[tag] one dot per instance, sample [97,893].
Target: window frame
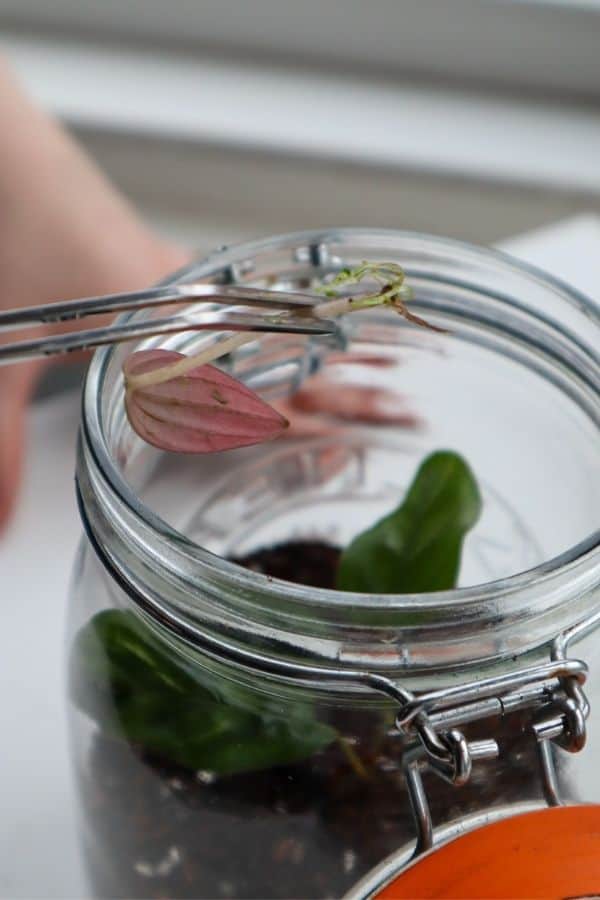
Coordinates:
[553,44]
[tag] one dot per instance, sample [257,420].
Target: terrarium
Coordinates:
[249,721]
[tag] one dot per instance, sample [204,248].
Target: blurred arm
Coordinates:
[64,232]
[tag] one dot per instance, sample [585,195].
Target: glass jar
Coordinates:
[239,735]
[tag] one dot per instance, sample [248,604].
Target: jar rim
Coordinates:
[455,599]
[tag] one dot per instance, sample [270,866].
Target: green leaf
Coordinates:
[123,678]
[417,548]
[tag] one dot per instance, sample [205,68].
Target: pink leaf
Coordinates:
[201,412]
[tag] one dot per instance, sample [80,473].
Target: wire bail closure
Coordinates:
[552,690]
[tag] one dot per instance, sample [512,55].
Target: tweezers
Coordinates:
[289,312]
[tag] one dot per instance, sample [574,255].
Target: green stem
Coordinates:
[353,757]
[392,293]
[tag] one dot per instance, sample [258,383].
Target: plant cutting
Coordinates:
[184,404]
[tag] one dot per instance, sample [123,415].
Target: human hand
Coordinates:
[324,405]
[65,232]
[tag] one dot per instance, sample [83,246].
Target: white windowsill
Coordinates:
[318,115]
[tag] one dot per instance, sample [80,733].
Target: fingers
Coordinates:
[65,232]
[322,406]
[351,403]
[16,386]
[305,425]
[18,382]
[323,409]
[12,431]
[355,358]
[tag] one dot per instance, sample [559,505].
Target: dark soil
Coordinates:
[304,562]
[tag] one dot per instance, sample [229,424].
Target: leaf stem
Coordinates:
[353,758]
[392,292]
[183,366]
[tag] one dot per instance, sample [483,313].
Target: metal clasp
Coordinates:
[553,691]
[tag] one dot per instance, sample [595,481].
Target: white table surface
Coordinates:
[38,844]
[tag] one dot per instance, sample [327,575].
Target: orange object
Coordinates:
[550,853]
